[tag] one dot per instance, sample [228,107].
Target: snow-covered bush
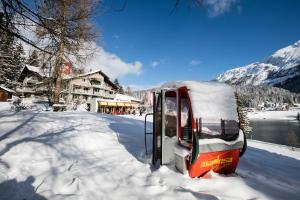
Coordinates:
[18,104]
[242,113]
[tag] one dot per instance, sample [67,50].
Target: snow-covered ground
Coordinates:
[81,155]
[275,115]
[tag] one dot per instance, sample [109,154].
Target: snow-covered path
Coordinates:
[79,155]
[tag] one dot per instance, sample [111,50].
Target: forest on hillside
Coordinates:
[251,96]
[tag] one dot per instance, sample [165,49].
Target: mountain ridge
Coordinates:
[282,66]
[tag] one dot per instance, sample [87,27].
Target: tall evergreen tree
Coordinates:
[129,91]
[120,88]
[11,60]
[6,57]
[33,59]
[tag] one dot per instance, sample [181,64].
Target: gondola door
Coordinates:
[164,127]
[157,128]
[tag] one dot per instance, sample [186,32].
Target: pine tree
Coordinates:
[129,91]
[33,59]
[11,60]
[6,57]
[116,82]
[19,57]
[120,88]
[242,114]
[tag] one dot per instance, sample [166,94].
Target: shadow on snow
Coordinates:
[130,133]
[274,175]
[23,190]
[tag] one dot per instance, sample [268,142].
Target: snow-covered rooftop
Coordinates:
[7,89]
[107,79]
[86,74]
[37,70]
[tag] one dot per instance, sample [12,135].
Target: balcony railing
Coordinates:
[30,90]
[103,87]
[95,94]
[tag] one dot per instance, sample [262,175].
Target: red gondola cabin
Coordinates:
[196,127]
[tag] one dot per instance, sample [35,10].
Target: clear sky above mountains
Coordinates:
[195,42]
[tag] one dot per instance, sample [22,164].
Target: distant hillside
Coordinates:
[281,69]
[292,84]
[251,96]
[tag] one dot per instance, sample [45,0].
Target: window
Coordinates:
[76,89]
[96,90]
[95,82]
[224,129]
[186,127]
[86,90]
[230,129]
[170,114]
[158,120]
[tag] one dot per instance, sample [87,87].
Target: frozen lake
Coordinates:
[275,131]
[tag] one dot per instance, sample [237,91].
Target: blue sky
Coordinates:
[194,43]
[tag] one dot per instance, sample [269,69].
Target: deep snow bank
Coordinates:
[79,155]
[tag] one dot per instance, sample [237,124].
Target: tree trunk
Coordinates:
[58,66]
[59,61]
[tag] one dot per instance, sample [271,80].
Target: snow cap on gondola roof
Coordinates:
[210,101]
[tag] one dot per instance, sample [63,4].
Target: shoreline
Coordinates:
[289,115]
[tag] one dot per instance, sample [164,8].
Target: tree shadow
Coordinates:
[23,190]
[274,175]
[47,138]
[7,113]
[5,164]
[7,134]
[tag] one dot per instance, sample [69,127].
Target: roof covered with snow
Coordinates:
[106,78]
[37,70]
[7,89]
[210,101]
[87,74]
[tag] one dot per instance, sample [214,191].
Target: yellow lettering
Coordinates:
[217,161]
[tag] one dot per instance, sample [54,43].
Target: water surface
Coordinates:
[276,131]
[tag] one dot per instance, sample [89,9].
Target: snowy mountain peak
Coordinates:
[277,68]
[288,56]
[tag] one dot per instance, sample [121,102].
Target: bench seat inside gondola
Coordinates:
[218,144]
